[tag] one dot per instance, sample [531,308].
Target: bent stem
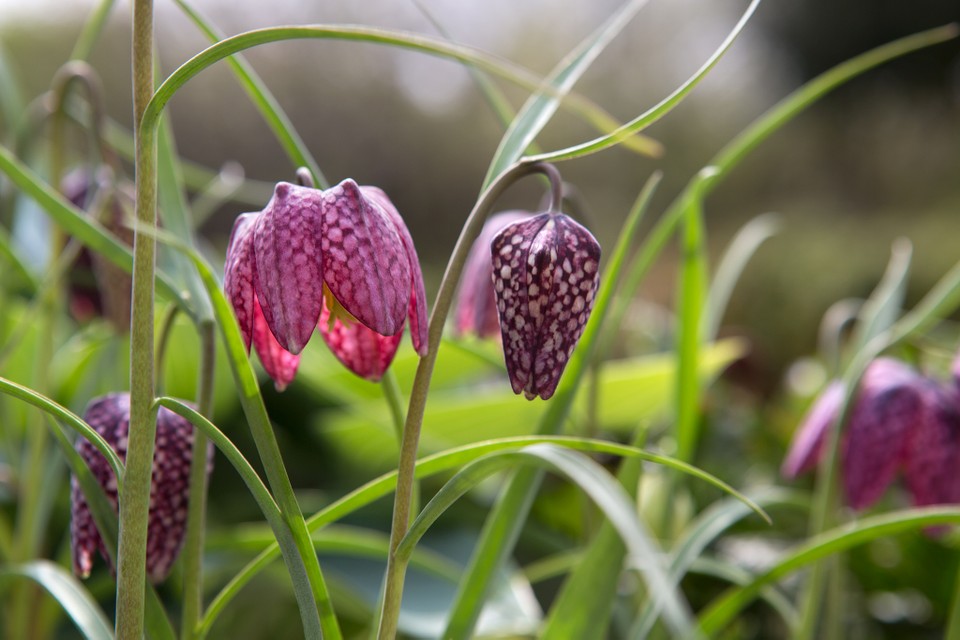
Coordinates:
[397,566]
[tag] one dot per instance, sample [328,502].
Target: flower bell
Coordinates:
[343,253]
[545,277]
[169,490]
[890,417]
[476,310]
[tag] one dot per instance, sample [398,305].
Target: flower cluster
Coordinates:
[169,487]
[340,260]
[536,276]
[900,420]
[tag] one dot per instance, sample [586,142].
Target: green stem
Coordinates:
[135,495]
[953,622]
[197,504]
[397,566]
[394,398]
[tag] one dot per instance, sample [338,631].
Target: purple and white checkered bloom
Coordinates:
[476,307]
[343,249]
[545,277]
[109,415]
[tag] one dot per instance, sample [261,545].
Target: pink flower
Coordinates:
[344,249]
[545,275]
[169,492]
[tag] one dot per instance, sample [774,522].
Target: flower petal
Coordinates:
[418,295]
[280,364]
[169,489]
[362,350]
[365,264]
[889,405]
[545,279]
[476,310]
[807,446]
[239,273]
[933,450]
[288,263]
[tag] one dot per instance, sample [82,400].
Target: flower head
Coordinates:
[476,310]
[891,411]
[343,249]
[169,491]
[545,275]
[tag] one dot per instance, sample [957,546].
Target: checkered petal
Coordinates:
[364,351]
[545,275]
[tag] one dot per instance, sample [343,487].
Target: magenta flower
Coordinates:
[344,249]
[899,420]
[545,275]
[476,307]
[169,492]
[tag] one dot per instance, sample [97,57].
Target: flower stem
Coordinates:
[135,494]
[197,505]
[397,566]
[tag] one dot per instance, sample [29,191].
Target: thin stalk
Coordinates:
[953,622]
[394,398]
[397,566]
[135,495]
[197,509]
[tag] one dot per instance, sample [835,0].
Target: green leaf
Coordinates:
[656,112]
[75,223]
[741,249]
[263,100]
[883,307]
[596,482]
[723,610]
[68,592]
[540,107]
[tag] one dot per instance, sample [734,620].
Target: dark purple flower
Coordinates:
[97,287]
[545,275]
[345,249]
[169,491]
[476,310]
[932,455]
[890,406]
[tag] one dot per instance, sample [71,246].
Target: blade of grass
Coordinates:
[75,223]
[427,467]
[540,107]
[656,112]
[742,248]
[67,590]
[92,29]
[596,482]
[723,610]
[271,111]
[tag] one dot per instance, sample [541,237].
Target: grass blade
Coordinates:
[595,482]
[656,112]
[540,107]
[723,610]
[67,590]
[274,115]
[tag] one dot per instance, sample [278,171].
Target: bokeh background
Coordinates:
[875,160]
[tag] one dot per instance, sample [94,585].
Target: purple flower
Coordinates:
[476,310]
[344,249]
[899,420]
[169,491]
[545,275]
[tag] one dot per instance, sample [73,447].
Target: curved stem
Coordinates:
[305,178]
[135,496]
[396,566]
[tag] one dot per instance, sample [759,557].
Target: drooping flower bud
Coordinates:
[545,275]
[97,287]
[933,449]
[169,490]
[345,249]
[807,446]
[476,305]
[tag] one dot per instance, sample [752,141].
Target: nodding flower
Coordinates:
[109,415]
[545,277]
[341,258]
[900,421]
